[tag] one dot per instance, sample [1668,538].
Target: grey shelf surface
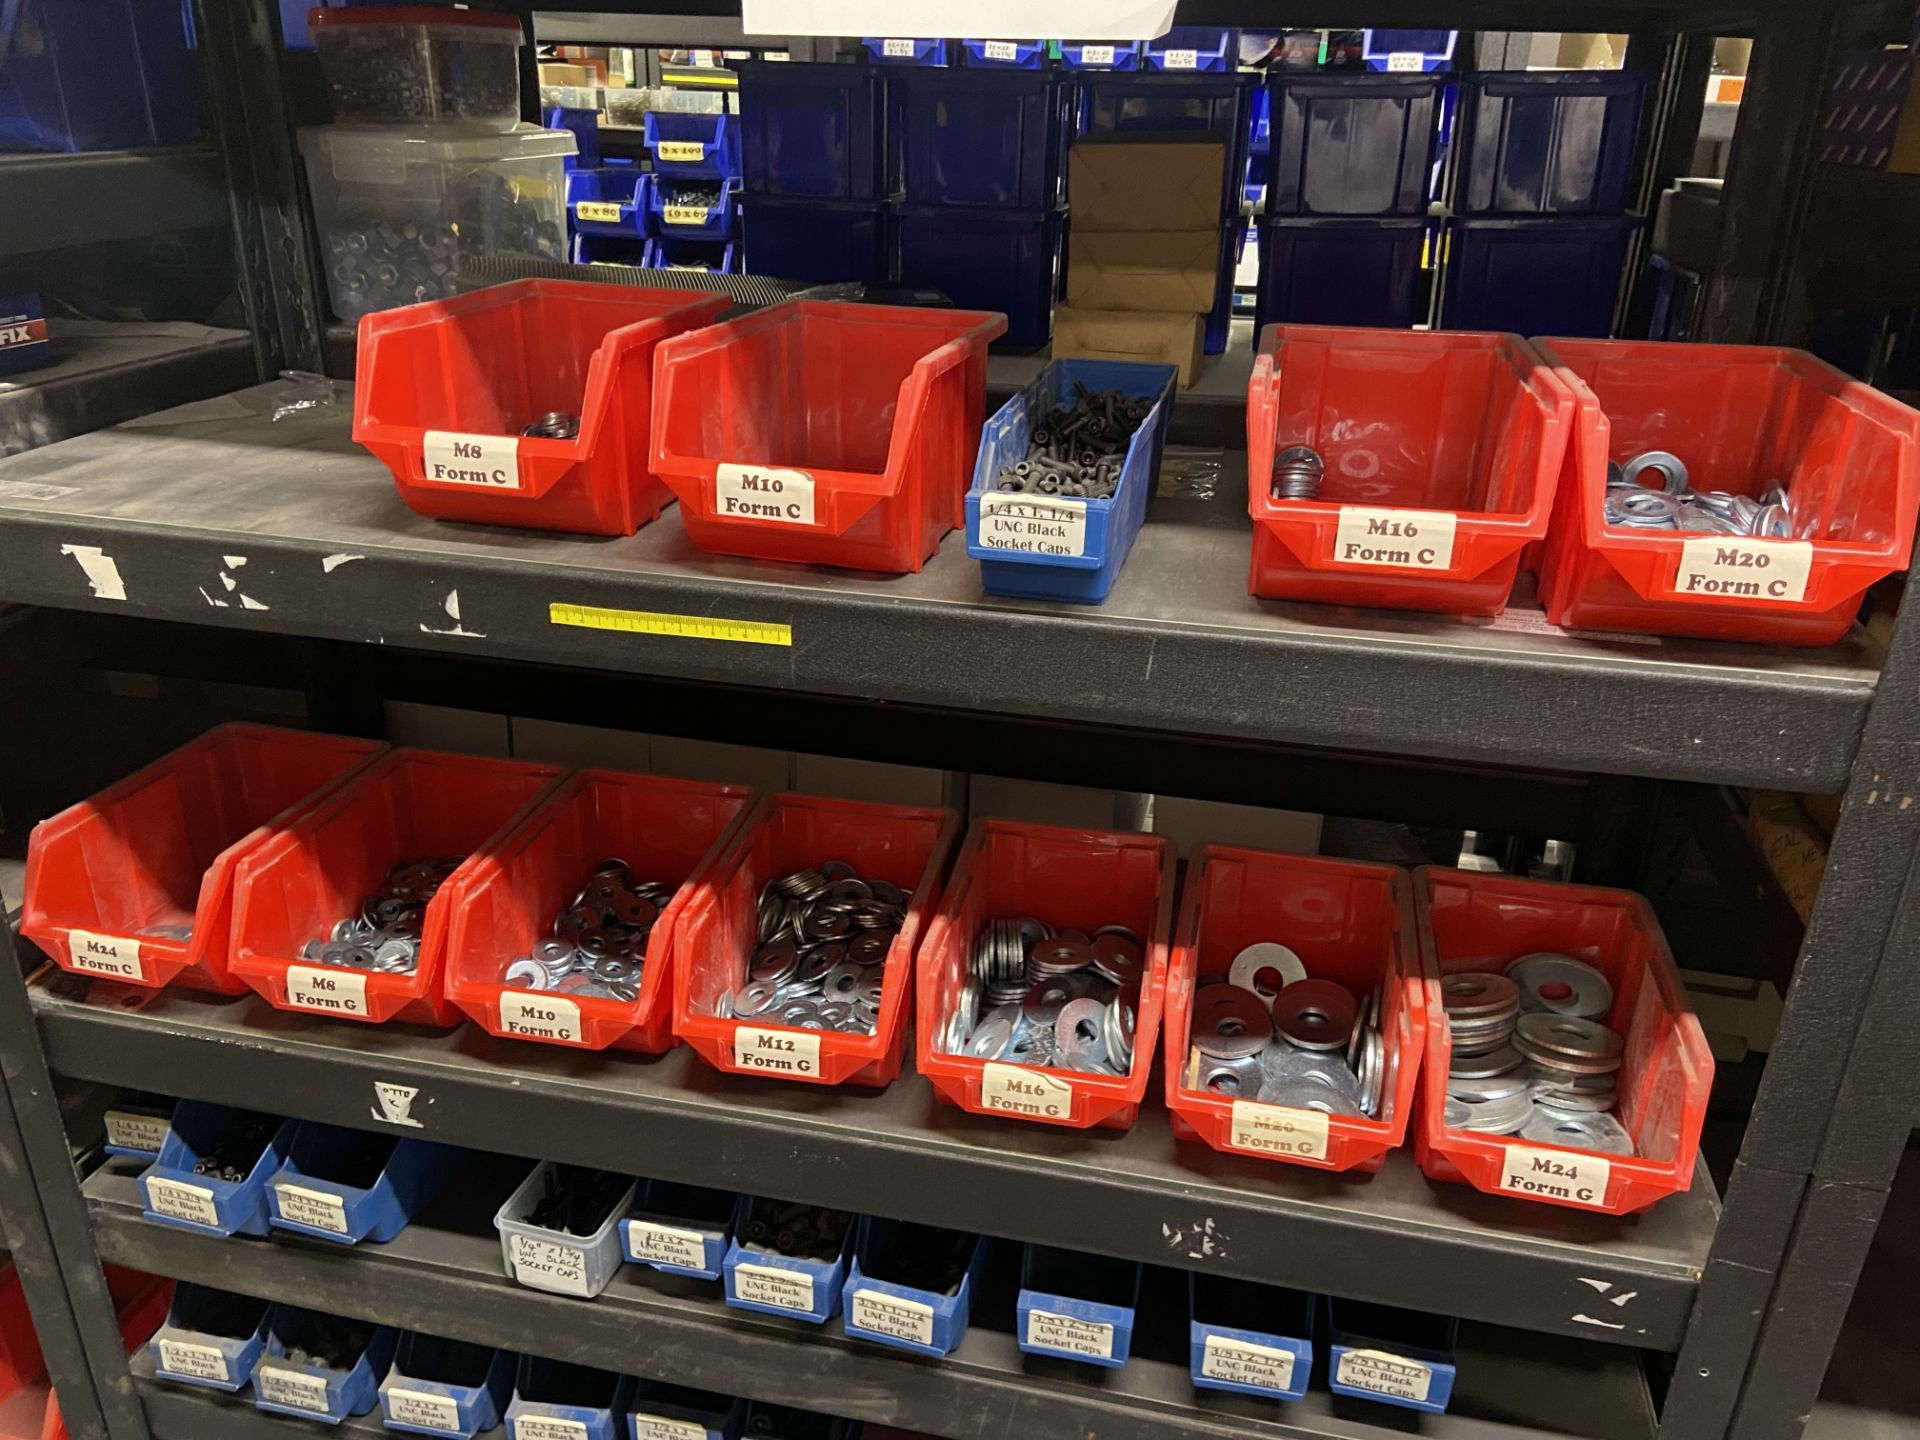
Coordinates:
[215,513]
[60,201]
[449,1281]
[1393,1237]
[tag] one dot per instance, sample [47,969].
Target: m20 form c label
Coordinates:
[1743,569]
[486,462]
[760,492]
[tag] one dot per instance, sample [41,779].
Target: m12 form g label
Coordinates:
[760,492]
[1577,1179]
[1402,539]
[117,959]
[1741,569]
[777,1052]
[487,462]
[1033,525]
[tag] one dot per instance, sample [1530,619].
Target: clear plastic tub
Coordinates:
[400,63]
[400,207]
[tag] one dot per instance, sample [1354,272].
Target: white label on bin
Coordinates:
[1032,525]
[332,989]
[1016,1090]
[1240,1362]
[1180,59]
[105,955]
[897,47]
[666,1245]
[181,1202]
[685,152]
[1578,1179]
[759,492]
[292,1388]
[1000,50]
[550,1427]
[1744,569]
[487,462]
[202,1362]
[416,1407]
[600,212]
[1384,1374]
[770,1285]
[1402,61]
[659,1427]
[893,1316]
[545,1017]
[1278,1130]
[1068,1335]
[684,214]
[315,1209]
[135,1132]
[1405,539]
[777,1052]
[1096,54]
[547,1265]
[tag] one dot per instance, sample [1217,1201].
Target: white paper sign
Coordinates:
[1179,59]
[1068,1335]
[202,1362]
[112,956]
[488,462]
[315,1209]
[545,1265]
[777,1052]
[131,1131]
[1579,1179]
[771,1285]
[1384,1374]
[761,492]
[931,19]
[181,1202]
[899,49]
[1033,524]
[666,1245]
[1744,569]
[1404,61]
[1404,539]
[416,1407]
[892,1315]
[547,1427]
[1016,1090]
[1278,1130]
[1096,54]
[545,1017]
[1000,50]
[659,1427]
[292,1388]
[330,989]
[1240,1362]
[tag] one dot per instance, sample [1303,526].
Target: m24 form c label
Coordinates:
[108,955]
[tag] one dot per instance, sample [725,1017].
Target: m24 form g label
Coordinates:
[486,462]
[1574,1177]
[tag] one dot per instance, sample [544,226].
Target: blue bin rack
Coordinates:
[626,187]
[135,1125]
[995,139]
[812,130]
[209,1338]
[1404,51]
[552,1398]
[812,240]
[1158,102]
[302,1199]
[1187,49]
[317,1392]
[1005,54]
[1249,1339]
[1394,1357]
[1108,527]
[1005,260]
[901,1316]
[1352,144]
[1546,142]
[1340,272]
[776,1284]
[1077,1307]
[679,1229]
[908,52]
[661,1409]
[1676,299]
[1558,276]
[103,75]
[669,252]
[412,1401]
[693,146]
[1109,55]
[671,218]
[206,1204]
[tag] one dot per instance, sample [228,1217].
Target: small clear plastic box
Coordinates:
[397,63]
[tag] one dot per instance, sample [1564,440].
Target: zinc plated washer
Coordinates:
[1315,1014]
[1230,1023]
[1254,961]
[1544,975]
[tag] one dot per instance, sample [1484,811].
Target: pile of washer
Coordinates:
[1267,1031]
[820,959]
[598,946]
[1676,505]
[385,936]
[1055,999]
[1530,1055]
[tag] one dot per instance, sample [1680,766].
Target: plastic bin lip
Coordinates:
[430,15]
[437,143]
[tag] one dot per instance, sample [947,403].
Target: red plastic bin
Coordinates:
[666,830]
[903,845]
[160,847]
[823,433]
[1348,922]
[1442,451]
[28,1407]
[1071,879]
[445,388]
[1471,920]
[1744,419]
[411,805]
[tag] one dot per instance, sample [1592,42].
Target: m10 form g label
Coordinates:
[760,492]
[1402,539]
[546,1017]
[486,462]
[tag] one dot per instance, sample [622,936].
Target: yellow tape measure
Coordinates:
[686,627]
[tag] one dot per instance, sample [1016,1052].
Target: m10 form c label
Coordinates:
[488,462]
[107,955]
[1278,1130]
[1578,1179]
[777,1052]
[332,989]
[1240,1362]
[1036,526]
[1744,569]
[1403,539]
[759,492]
[1020,1091]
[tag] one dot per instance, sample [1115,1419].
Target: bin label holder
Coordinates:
[774,1285]
[1066,1335]
[1034,525]
[658,1244]
[1242,1362]
[131,1130]
[316,1209]
[891,1315]
[109,955]
[1017,1090]
[1744,569]
[293,1388]
[681,152]
[763,492]
[192,1203]
[1380,1372]
[598,212]
[776,1052]
[203,1362]
[1402,539]
[1572,1176]
[487,462]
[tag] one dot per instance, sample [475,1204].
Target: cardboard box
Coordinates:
[555,73]
[1157,337]
[1143,270]
[1155,182]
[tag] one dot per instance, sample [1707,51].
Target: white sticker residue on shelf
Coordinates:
[417,1407]
[1000,50]
[546,1017]
[777,1052]
[315,1209]
[659,1427]
[1180,59]
[1384,1374]
[1404,539]
[1241,1362]
[1402,61]
[772,1285]
[131,1131]
[1744,569]
[891,1315]
[548,1427]
[293,1388]
[181,1202]
[202,1362]
[1033,524]
[761,492]
[489,462]
[899,49]
[334,989]
[1017,1090]
[682,152]
[113,956]
[1278,1130]
[666,1245]
[1096,54]
[1580,1179]
[1069,1335]
[547,1265]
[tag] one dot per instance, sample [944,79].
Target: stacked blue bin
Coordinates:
[1347,182]
[977,156]
[1539,231]
[692,149]
[107,75]
[812,201]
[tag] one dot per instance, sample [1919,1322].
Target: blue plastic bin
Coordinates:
[693,146]
[615,200]
[1406,51]
[209,1338]
[303,1198]
[776,1284]
[1085,550]
[1077,1307]
[135,1125]
[674,219]
[680,1229]
[1395,1357]
[814,240]
[1188,48]
[670,252]
[174,1195]
[993,138]
[901,1316]
[445,1387]
[1005,260]
[1535,277]
[554,1400]
[1002,54]
[1546,142]
[908,52]
[811,129]
[1340,272]
[662,1411]
[1100,54]
[95,75]
[1250,1339]
[608,250]
[317,1392]
[1260,127]
[1160,102]
[585,125]
[1352,144]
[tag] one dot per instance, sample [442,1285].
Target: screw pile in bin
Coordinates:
[329,1343]
[385,935]
[820,961]
[805,1232]
[237,1149]
[371,76]
[575,1200]
[1077,450]
[1297,473]
[379,264]
[599,942]
[1268,1031]
[705,196]
[1060,999]
[1530,1054]
[924,1257]
[554,425]
[1678,506]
